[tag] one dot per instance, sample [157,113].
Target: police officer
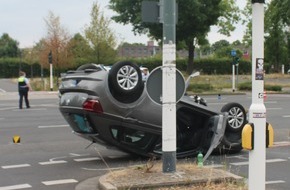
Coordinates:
[23,88]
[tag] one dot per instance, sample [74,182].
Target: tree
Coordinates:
[100,37]
[79,49]
[220,44]
[56,41]
[194,20]
[8,46]
[276,40]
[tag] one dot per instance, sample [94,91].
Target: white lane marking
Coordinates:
[53,162]
[10,108]
[2,90]
[52,126]
[270,102]
[31,109]
[267,161]
[273,108]
[77,155]
[274,182]
[59,182]
[104,169]
[15,166]
[281,143]
[87,159]
[14,187]
[239,157]
[286,116]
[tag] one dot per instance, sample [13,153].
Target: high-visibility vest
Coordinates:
[21,83]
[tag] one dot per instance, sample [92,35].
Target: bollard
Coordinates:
[219,97]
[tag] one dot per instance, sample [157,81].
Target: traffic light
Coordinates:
[236,60]
[50,57]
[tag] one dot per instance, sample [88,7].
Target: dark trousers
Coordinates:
[23,94]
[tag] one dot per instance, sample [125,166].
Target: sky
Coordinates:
[24,21]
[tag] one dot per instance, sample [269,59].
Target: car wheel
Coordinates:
[125,82]
[236,116]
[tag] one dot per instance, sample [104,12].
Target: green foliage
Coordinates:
[199,87]
[275,44]
[8,46]
[9,68]
[277,21]
[275,88]
[79,49]
[247,86]
[100,37]
[205,66]
[220,66]
[194,20]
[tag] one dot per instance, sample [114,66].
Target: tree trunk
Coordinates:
[191,48]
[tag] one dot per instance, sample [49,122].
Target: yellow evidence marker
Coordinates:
[16,139]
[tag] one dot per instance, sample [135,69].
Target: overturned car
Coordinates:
[112,107]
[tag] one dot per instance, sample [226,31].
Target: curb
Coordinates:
[89,184]
[103,182]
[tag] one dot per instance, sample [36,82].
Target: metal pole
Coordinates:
[257,111]
[51,77]
[233,78]
[169,87]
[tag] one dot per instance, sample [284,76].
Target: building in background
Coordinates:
[137,50]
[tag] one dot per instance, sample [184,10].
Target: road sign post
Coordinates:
[233,54]
[167,15]
[257,111]
[169,86]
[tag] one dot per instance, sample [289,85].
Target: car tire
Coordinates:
[125,82]
[237,117]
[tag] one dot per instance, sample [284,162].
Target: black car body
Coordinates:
[113,108]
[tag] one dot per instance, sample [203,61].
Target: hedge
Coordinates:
[9,67]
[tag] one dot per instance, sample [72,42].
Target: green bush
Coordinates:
[275,88]
[247,86]
[9,67]
[199,87]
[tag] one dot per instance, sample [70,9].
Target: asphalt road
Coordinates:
[49,156]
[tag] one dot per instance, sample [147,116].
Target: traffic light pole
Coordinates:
[169,86]
[51,70]
[257,111]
